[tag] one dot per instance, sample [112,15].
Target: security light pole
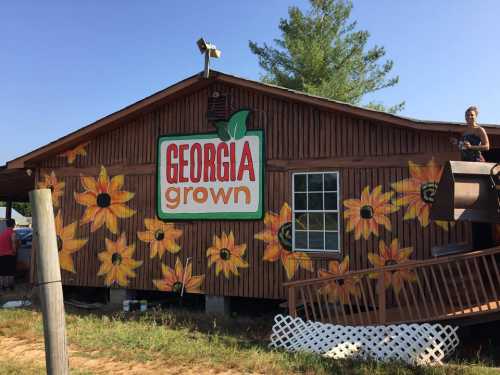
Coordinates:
[210,50]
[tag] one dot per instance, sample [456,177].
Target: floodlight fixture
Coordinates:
[209,50]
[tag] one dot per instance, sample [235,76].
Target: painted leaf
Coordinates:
[237,125]
[222,130]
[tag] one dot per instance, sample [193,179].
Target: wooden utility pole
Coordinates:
[49,280]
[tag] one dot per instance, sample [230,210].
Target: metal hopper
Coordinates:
[468,191]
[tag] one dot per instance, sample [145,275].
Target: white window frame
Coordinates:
[339,219]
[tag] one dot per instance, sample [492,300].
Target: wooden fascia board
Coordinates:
[103,124]
[346,108]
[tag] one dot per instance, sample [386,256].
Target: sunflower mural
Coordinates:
[365,215]
[54,185]
[179,279]
[418,192]
[342,289]
[226,255]
[105,201]
[117,264]
[161,237]
[389,256]
[67,244]
[71,155]
[278,238]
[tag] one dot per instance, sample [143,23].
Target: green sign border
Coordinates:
[257,215]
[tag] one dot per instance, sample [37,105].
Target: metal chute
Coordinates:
[468,191]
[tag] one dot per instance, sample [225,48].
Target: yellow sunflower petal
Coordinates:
[147,236]
[89,183]
[121,197]
[86,199]
[66,262]
[272,252]
[116,183]
[122,211]
[111,222]
[99,220]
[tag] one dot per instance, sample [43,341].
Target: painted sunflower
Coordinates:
[67,244]
[226,255]
[104,201]
[339,289]
[160,236]
[73,153]
[278,238]
[418,192]
[117,262]
[366,214]
[56,187]
[389,256]
[176,280]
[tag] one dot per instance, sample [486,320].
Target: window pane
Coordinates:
[331,221]
[300,182]
[331,181]
[332,240]
[330,201]
[300,201]
[301,240]
[316,221]
[315,182]
[315,201]
[300,221]
[316,241]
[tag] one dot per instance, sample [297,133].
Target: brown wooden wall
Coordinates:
[298,138]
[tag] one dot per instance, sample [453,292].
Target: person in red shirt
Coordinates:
[8,247]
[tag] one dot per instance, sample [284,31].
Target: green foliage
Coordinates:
[235,128]
[322,53]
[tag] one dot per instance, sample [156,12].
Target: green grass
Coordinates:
[183,338]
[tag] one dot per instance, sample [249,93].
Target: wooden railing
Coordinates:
[438,289]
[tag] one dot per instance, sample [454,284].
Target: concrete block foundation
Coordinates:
[217,305]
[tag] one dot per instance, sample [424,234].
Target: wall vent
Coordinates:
[218,106]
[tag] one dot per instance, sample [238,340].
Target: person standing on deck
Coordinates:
[8,247]
[474,138]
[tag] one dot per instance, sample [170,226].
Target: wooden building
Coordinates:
[349,176]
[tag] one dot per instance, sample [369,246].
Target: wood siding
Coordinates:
[298,138]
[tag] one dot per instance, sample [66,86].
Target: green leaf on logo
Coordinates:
[237,125]
[222,130]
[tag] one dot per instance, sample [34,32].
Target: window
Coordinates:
[315,221]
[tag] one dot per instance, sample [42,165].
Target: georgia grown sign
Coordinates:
[213,175]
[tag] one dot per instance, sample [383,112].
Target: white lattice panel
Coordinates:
[412,343]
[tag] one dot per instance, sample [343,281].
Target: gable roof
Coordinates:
[196,82]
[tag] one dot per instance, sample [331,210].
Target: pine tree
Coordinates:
[322,53]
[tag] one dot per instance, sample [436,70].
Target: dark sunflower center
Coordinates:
[177,287]
[116,259]
[103,200]
[51,187]
[390,262]
[159,235]
[59,243]
[285,236]
[428,191]
[366,212]
[225,254]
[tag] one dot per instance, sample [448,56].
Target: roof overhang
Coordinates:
[197,82]
[15,184]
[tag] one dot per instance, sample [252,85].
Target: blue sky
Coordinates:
[66,64]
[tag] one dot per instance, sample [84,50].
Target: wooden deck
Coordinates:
[444,289]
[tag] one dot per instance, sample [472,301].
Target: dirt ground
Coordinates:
[33,352]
